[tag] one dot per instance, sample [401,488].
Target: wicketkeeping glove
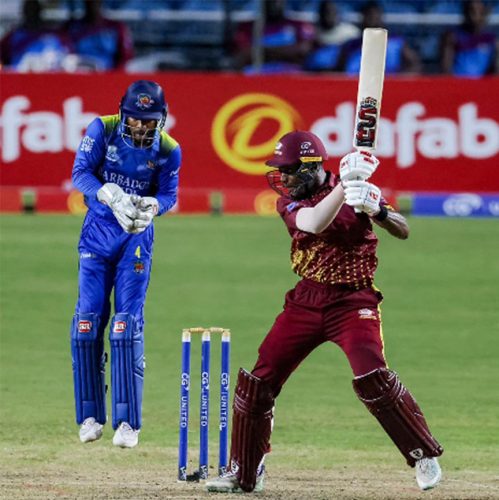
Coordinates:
[147,208]
[363,196]
[119,202]
[357,166]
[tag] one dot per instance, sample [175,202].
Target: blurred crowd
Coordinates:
[253,36]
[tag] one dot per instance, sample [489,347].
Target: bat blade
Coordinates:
[370,90]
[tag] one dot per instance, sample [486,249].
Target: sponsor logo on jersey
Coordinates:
[87,144]
[112,153]
[119,327]
[367,314]
[87,255]
[138,267]
[84,326]
[144,101]
[129,185]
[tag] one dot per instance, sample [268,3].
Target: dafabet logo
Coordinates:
[246,129]
[75,203]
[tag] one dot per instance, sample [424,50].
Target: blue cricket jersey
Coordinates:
[103,156]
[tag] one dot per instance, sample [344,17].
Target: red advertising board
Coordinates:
[436,134]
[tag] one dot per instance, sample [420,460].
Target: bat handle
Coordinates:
[357,210]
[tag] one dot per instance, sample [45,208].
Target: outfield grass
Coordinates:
[440,321]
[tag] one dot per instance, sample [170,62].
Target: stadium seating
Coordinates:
[197,28]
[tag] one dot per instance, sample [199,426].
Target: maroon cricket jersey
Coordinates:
[343,254]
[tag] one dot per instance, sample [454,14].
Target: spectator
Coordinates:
[331,34]
[33,45]
[286,42]
[100,43]
[330,29]
[470,50]
[400,58]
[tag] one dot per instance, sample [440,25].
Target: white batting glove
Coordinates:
[147,208]
[357,166]
[363,197]
[119,202]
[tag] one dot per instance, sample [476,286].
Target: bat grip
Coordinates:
[357,210]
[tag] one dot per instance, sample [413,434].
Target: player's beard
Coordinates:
[304,189]
[141,138]
[297,191]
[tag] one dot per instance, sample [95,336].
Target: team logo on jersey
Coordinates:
[144,101]
[417,453]
[112,153]
[367,314]
[119,327]
[138,267]
[84,326]
[87,144]
[151,165]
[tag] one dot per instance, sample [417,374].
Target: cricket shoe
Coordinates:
[428,473]
[228,483]
[125,436]
[90,430]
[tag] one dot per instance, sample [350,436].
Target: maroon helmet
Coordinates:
[297,147]
[300,154]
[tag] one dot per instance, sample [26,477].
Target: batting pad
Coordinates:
[127,370]
[87,351]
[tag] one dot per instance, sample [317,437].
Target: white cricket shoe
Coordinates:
[428,473]
[90,430]
[125,436]
[228,483]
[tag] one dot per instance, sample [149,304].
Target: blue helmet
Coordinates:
[144,100]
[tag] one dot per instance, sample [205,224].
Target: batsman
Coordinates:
[333,250]
[127,167]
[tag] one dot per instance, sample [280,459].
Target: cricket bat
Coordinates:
[370,90]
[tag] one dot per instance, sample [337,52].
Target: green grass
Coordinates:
[440,318]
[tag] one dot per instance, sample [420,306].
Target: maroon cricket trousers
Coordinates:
[315,313]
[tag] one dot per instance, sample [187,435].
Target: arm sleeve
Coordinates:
[315,219]
[168,181]
[89,157]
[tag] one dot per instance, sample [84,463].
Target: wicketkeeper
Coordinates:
[333,250]
[127,167]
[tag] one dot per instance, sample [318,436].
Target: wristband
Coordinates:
[382,214]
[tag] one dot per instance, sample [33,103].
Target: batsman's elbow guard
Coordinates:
[89,360]
[127,370]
